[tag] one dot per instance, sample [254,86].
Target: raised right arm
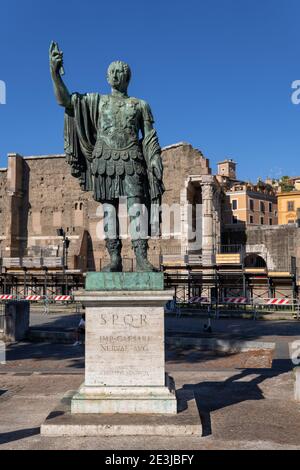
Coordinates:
[61,92]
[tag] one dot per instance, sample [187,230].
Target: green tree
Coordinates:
[286,184]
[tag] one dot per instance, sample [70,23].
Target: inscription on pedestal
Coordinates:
[125,347]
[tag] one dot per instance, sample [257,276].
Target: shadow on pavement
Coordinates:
[12,436]
[212,396]
[38,354]
[65,322]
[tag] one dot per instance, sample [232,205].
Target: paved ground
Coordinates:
[247,409]
[268,330]
[244,400]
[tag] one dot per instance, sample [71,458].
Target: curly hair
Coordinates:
[124,66]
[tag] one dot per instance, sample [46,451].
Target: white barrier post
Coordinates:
[46,306]
[254,306]
[77,307]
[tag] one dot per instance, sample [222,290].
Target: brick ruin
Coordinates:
[38,195]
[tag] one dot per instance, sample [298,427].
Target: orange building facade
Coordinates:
[249,205]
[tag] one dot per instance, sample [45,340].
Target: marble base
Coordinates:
[124,351]
[135,400]
[61,422]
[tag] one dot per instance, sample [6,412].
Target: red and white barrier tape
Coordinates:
[278,301]
[58,298]
[198,300]
[33,297]
[236,300]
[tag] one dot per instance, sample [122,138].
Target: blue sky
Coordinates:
[217,73]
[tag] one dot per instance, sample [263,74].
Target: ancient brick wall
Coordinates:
[3,209]
[56,200]
[276,244]
[46,197]
[180,161]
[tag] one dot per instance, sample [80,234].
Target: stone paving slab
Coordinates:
[60,422]
[246,409]
[28,358]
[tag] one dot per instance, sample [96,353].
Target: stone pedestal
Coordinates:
[16,320]
[125,354]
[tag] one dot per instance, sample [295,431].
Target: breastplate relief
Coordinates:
[119,122]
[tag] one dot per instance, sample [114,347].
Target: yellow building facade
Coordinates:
[288,207]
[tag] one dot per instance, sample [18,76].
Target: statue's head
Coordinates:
[118,75]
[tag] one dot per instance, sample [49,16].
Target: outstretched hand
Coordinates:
[56,58]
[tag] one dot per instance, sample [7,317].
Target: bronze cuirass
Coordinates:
[119,118]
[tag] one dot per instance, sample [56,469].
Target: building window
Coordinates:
[270,221]
[262,221]
[262,206]
[290,206]
[270,206]
[234,219]
[251,219]
[291,221]
[234,204]
[251,202]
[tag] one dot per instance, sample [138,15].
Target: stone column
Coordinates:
[208,242]
[184,218]
[17,211]
[217,211]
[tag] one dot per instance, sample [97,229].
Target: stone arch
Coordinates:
[263,252]
[253,260]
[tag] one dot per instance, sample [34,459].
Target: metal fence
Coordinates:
[230,249]
[238,305]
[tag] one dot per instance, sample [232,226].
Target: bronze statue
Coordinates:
[113,149]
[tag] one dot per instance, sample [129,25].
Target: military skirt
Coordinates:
[118,173]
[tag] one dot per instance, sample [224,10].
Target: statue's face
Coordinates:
[117,76]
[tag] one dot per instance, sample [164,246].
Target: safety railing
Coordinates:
[237,304]
[36,298]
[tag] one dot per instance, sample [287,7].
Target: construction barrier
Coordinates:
[235,300]
[62,298]
[36,298]
[32,297]
[199,300]
[278,302]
